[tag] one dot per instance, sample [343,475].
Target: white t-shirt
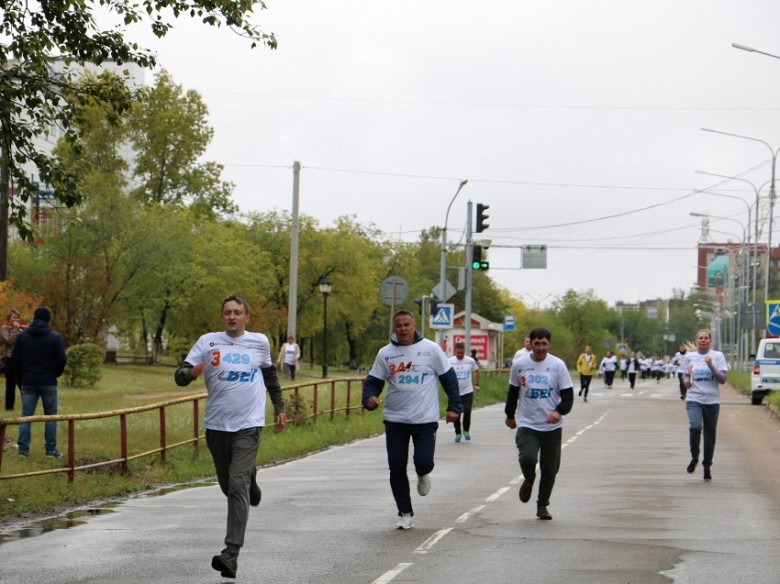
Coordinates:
[289,353]
[236,389]
[520,353]
[540,386]
[463,369]
[704,388]
[679,358]
[412,373]
[609,363]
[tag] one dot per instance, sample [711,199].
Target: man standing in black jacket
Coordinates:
[39,359]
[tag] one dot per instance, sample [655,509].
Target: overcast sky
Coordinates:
[579,123]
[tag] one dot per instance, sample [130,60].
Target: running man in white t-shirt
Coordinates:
[413,367]
[464,367]
[524,350]
[238,370]
[540,390]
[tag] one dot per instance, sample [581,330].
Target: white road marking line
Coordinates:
[585,429]
[432,541]
[390,574]
[465,517]
[436,537]
[497,494]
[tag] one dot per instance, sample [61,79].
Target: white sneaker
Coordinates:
[423,484]
[405,522]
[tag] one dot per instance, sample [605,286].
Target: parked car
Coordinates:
[766,370]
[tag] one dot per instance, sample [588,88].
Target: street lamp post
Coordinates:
[443,267]
[736,295]
[754,261]
[752,50]
[771,198]
[442,295]
[325,288]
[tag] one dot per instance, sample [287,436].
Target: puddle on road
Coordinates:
[80,516]
[42,526]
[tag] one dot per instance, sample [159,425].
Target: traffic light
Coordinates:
[477,263]
[431,304]
[481,217]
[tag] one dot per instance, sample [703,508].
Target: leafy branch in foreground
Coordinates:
[44,49]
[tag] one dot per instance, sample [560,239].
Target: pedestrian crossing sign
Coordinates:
[773,317]
[442,317]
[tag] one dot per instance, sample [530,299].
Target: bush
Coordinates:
[84,368]
[178,347]
[298,410]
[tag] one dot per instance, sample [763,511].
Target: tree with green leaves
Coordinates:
[585,316]
[44,49]
[169,133]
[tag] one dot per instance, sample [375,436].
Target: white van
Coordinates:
[766,370]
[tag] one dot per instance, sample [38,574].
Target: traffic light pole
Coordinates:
[469,278]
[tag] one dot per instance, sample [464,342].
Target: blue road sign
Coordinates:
[442,316]
[773,317]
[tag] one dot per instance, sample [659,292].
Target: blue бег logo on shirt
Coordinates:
[240,376]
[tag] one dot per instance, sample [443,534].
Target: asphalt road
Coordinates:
[625,512]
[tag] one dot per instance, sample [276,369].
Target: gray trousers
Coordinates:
[234,456]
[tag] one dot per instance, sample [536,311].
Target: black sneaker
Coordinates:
[707,475]
[255,494]
[226,563]
[23,452]
[53,453]
[692,466]
[525,491]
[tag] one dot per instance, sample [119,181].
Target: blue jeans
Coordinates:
[702,418]
[30,395]
[397,436]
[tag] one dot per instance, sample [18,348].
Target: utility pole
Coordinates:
[469,256]
[292,298]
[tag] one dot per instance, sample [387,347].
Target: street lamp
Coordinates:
[771,196]
[442,295]
[443,268]
[325,288]
[752,50]
[734,294]
[755,258]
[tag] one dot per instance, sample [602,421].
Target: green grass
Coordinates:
[126,386]
[741,380]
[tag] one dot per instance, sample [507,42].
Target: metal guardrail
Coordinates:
[123,415]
